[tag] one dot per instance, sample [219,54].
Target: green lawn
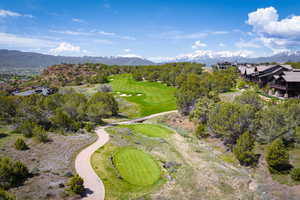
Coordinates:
[150,97]
[150,130]
[136,167]
[117,187]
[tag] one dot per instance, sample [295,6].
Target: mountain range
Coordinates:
[211,59]
[19,59]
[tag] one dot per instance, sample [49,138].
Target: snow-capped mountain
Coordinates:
[210,57]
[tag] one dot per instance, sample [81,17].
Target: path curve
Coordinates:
[94,186]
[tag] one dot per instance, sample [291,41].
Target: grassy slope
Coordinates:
[155,98]
[136,167]
[150,130]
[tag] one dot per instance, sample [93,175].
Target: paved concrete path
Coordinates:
[94,187]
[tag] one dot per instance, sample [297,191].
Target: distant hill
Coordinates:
[213,59]
[19,59]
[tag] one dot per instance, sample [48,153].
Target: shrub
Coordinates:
[105,88]
[40,134]
[76,185]
[89,127]
[20,144]
[12,173]
[241,84]
[230,120]
[26,128]
[277,157]
[250,98]
[6,196]
[243,149]
[107,100]
[200,131]
[295,174]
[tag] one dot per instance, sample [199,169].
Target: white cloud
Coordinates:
[198,44]
[77,20]
[130,56]
[101,41]
[67,32]
[93,33]
[222,44]
[127,37]
[105,33]
[65,47]
[275,33]
[247,44]
[8,13]
[127,50]
[219,32]
[22,41]
[180,35]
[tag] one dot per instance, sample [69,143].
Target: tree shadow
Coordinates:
[3,135]
[87,192]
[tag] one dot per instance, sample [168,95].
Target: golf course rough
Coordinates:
[136,167]
[150,130]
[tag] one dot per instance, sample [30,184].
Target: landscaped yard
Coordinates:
[150,130]
[136,167]
[151,97]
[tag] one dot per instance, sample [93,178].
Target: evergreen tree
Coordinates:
[243,150]
[277,157]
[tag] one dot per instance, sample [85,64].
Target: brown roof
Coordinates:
[293,76]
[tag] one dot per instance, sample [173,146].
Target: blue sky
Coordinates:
[153,29]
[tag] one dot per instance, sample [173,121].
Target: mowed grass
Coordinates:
[151,97]
[136,167]
[150,130]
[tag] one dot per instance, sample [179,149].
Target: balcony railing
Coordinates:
[277,86]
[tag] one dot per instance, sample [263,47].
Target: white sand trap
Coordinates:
[125,95]
[139,95]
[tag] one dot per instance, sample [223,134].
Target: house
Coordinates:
[225,65]
[262,74]
[38,90]
[286,84]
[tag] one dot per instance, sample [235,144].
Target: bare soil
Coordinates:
[51,163]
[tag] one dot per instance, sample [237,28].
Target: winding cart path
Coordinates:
[94,186]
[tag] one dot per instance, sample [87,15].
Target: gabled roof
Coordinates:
[293,76]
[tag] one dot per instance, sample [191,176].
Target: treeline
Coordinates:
[68,74]
[247,121]
[192,86]
[295,65]
[35,115]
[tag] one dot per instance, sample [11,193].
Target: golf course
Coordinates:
[150,97]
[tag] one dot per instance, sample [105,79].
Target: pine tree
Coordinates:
[243,150]
[277,157]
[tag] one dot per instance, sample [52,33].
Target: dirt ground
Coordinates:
[51,163]
[215,174]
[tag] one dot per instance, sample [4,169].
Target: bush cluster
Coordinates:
[20,144]
[12,173]
[4,195]
[75,185]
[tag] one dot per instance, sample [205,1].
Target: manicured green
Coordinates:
[151,97]
[136,167]
[150,130]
